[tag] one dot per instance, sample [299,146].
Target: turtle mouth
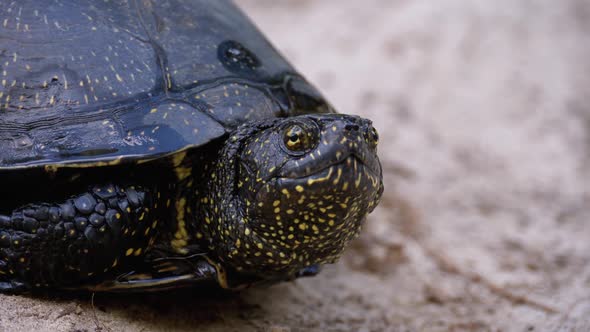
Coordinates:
[358,163]
[350,173]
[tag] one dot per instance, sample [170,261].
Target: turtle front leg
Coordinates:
[70,243]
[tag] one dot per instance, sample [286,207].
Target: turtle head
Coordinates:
[296,192]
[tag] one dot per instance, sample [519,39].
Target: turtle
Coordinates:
[148,145]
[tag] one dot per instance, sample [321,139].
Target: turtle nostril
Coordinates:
[351,127]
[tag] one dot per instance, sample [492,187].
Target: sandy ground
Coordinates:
[483,112]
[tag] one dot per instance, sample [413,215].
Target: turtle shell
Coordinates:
[88,82]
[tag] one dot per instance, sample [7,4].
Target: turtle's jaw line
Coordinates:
[351,160]
[376,173]
[350,176]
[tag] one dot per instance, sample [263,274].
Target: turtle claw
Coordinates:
[13,287]
[309,271]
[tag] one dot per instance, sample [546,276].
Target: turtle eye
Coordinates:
[298,138]
[372,136]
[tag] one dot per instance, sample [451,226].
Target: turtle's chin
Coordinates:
[298,222]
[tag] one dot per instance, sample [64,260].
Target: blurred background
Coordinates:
[483,111]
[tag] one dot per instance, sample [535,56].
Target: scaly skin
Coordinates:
[56,244]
